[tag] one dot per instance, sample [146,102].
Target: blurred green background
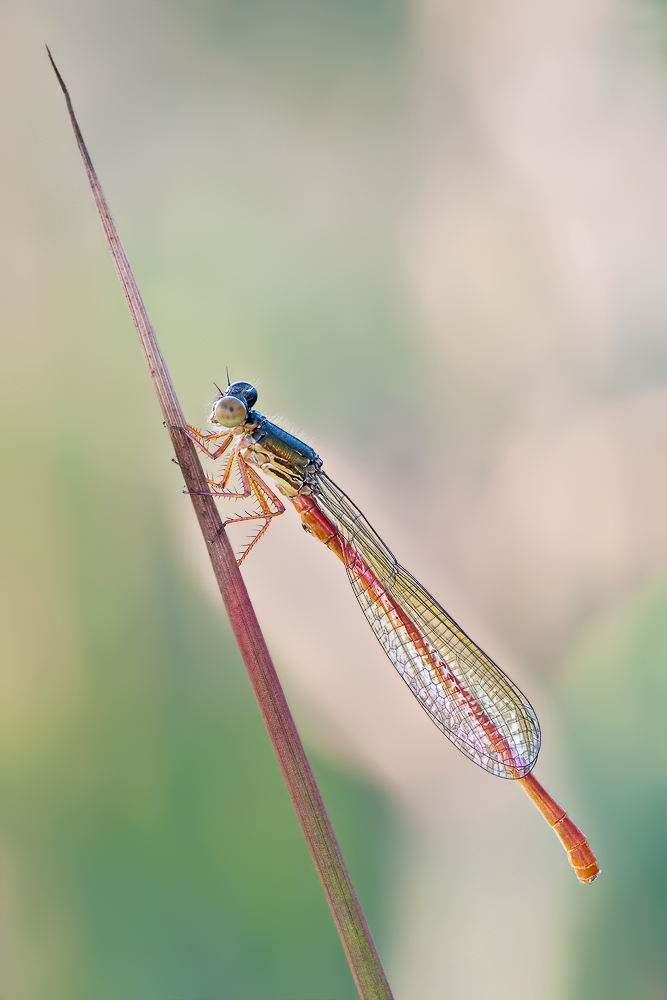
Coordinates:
[435,235]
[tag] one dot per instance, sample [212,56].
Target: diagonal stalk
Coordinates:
[333,874]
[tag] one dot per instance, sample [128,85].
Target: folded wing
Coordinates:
[465,693]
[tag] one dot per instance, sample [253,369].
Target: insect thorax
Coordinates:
[293,464]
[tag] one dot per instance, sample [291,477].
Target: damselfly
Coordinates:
[464,692]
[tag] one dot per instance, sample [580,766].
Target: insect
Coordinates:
[464,692]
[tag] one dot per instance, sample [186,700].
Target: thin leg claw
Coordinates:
[269,504]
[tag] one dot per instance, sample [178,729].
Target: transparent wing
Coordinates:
[466,694]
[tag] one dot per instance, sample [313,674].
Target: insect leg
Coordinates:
[201,439]
[262,493]
[265,497]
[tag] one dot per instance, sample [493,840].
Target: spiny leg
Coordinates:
[253,486]
[200,439]
[243,471]
[264,497]
[218,487]
[225,477]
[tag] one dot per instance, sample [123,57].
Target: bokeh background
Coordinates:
[435,234]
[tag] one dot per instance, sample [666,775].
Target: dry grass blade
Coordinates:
[348,916]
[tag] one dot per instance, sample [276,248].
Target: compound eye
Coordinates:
[244,390]
[230,411]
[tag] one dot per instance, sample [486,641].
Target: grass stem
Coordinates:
[340,893]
